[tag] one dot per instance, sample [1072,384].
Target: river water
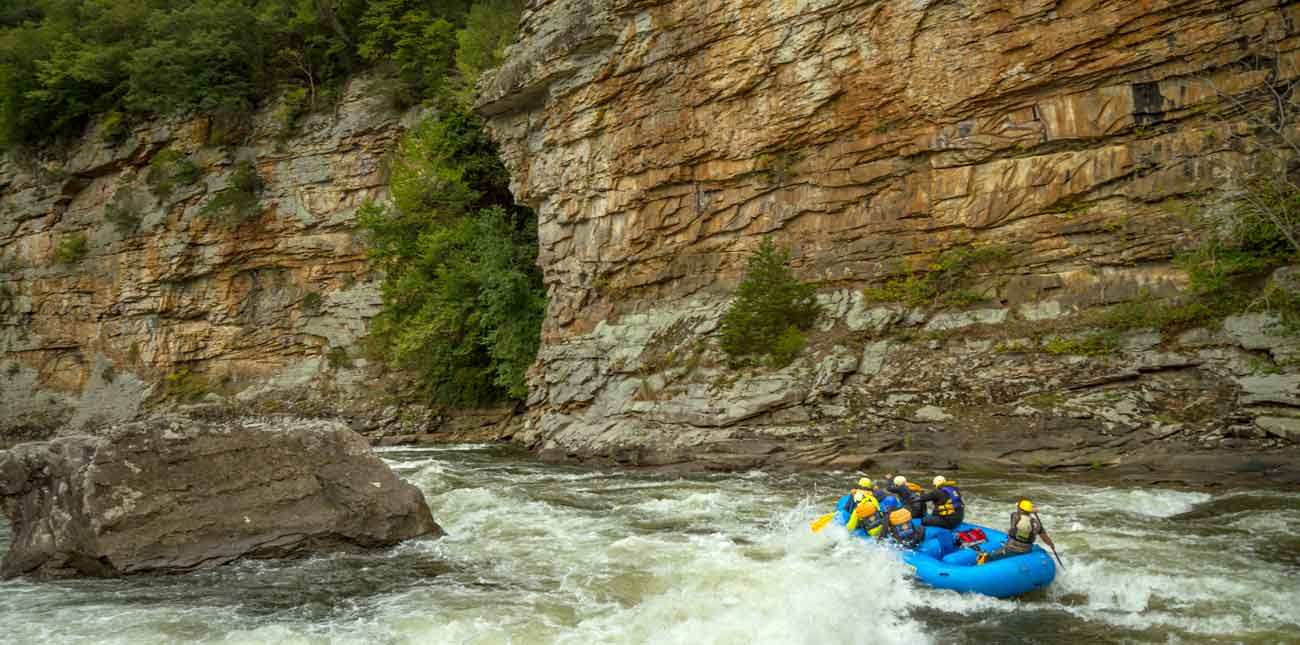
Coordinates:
[539,553]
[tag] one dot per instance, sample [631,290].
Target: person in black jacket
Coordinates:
[949,508]
[910,499]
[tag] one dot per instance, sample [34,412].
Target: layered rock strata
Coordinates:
[116,272]
[173,495]
[660,140]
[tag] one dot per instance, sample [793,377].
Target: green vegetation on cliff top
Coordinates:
[65,61]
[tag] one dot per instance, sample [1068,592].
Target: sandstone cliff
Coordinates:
[659,140]
[257,307]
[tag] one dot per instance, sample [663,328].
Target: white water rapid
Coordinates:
[539,553]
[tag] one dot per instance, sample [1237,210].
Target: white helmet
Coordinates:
[900,481]
[939,480]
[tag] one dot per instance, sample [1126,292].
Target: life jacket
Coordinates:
[953,504]
[1024,528]
[868,517]
[971,537]
[900,526]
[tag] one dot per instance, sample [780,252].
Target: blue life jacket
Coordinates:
[904,533]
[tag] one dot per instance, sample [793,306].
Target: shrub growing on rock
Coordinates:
[942,280]
[124,212]
[185,386]
[771,310]
[72,248]
[168,170]
[312,301]
[238,203]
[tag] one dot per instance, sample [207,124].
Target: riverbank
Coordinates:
[985,446]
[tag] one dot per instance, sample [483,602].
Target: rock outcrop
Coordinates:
[661,140]
[174,495]
[113,277]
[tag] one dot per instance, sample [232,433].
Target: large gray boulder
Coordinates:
[176,494]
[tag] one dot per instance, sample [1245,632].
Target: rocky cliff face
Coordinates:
[156,288]
[660,140]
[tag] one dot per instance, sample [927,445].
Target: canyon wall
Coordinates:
[1073,141]
[113,286]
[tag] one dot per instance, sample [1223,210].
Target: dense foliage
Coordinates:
[770,312]
[463,296]
[63,61]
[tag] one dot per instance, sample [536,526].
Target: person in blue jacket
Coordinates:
[949,507]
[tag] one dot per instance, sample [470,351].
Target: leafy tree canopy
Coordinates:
[463,296]
[63,61]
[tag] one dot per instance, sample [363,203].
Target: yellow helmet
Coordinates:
[900,481]
[939,481]
[1026,506]
[864,482]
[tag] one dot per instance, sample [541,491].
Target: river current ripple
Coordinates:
[539,553]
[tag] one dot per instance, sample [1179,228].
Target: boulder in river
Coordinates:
[175,494]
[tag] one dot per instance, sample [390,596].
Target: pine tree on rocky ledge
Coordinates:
[771,310]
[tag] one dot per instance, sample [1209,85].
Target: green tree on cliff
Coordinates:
[463,296]
[771,310]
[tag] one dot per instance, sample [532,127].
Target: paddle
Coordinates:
[1048,540]
[821,522]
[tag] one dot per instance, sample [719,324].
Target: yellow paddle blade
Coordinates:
[821,522]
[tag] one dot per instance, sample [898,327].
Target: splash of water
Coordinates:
[548,554]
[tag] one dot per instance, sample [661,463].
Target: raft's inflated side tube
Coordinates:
[955,568]
[940,564]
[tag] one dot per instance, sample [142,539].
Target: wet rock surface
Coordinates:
[175,494]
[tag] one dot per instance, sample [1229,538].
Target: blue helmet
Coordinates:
[890,504]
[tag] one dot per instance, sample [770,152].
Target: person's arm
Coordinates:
[1046,538]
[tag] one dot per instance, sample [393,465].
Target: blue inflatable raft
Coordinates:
[941,564]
